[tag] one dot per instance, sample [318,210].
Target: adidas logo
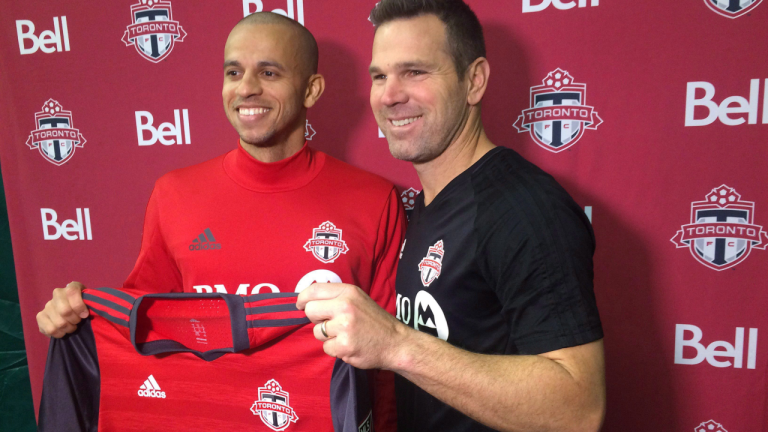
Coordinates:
[151,388]
[205,240]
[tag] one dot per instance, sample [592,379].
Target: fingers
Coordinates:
[56,327]
[318,331]
[74,291]
[63,312]
[320,291]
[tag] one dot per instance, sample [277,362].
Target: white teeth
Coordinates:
[252,111]
[405,121]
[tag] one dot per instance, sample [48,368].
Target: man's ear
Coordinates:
[477,80]
[315,88]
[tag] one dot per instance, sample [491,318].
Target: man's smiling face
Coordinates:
[264,83]
[416,96]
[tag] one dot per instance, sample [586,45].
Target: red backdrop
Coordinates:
[642,110]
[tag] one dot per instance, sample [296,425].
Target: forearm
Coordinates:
[520,393]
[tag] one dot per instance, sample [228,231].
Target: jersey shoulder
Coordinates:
[506,186]
[194,177]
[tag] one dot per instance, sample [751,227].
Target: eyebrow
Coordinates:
[261,64]
[400,66]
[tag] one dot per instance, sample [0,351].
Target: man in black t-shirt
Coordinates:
[497,325]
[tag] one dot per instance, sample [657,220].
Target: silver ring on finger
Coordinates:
[323,330]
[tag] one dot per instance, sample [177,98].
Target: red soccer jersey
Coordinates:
[237,225]
[86,391]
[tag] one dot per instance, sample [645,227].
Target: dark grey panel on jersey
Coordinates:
[516,273]
[72,384]
[351,407]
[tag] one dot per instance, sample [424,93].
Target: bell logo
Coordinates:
[79,229]
[558,4]
[729,106]
[166,130]
[715,350]
[287,12]
[48,41]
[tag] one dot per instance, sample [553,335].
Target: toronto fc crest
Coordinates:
[326,243]
[732,8]
[55,136]
[432,264]
[722,230]
[558,113]
[153,32]
[273,407]
[710,426]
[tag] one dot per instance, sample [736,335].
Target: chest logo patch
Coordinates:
[326,243]
[273,407]
[432,264]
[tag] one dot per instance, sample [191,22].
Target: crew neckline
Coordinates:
[288,174]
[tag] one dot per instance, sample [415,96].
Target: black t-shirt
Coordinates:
[500,262]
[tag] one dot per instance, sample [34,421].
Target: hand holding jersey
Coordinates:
[357,330]
[63,312]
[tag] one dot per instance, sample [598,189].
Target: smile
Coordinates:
[252,111]
[404,122]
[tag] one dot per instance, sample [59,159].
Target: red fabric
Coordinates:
[262,215]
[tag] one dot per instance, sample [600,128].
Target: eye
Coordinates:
[231,73]
[269,74]
[379,77]
[415,72]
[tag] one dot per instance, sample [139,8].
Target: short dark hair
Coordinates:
[463,29]
[307,41]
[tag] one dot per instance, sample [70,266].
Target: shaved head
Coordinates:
[306,43]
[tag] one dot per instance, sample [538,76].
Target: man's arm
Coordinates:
[562,390]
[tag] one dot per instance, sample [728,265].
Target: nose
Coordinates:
[249,85]
[394,92]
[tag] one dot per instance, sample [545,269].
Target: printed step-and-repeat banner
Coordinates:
[653,115]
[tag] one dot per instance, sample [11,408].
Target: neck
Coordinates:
[280,147]
[466,149]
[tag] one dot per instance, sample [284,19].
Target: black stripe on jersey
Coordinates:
[119,294]
[109,317]
[277,322]
[258,297]
[108,303]
[290,307]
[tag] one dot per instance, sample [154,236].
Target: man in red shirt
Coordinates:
[272,216]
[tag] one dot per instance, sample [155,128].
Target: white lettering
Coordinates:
[559,4]
[723,111]
[70,229]
[48,41]
[166,133]
[716,350]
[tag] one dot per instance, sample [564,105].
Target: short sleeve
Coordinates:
[535,248]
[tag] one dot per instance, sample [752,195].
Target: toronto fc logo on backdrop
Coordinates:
[722,230]
[432,264]
[710,426]
[326,243]
[273,407]
[558,113]
[55,136]
[732,8]
[153,31]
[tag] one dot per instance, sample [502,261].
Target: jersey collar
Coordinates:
[288,174]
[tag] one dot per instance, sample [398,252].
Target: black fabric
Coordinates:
[71,385]
[350,399]
[515,274]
